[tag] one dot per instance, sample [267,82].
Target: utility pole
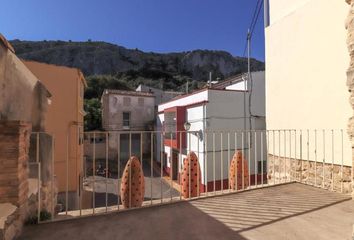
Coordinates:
[210,78]
[245,81]
[187,86]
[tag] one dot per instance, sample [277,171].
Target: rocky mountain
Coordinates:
[101,58]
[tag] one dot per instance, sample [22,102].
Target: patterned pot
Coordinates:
[133,184]
[235,172]
[191,165]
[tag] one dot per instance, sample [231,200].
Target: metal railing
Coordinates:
[41,172]
[227,162]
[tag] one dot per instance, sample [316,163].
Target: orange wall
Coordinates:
[63,119]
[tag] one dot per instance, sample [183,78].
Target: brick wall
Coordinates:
[14,143]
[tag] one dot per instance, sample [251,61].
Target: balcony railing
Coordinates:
[141,168]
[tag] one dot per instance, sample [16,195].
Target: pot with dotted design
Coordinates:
[132,185]
[235,172]
[191,174]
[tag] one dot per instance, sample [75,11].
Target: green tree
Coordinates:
[93,118]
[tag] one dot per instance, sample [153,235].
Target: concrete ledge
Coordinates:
[8,221]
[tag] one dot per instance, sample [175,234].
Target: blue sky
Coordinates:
[149,25]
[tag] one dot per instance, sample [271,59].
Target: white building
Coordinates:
[214,113]
[306,63]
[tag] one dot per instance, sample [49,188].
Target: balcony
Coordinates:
[279,184]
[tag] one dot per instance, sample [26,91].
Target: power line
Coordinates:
[253,23]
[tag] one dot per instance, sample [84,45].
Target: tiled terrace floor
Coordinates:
[291,211]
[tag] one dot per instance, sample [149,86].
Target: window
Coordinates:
[141,102]
[126,119]
[170,125]
[126,101]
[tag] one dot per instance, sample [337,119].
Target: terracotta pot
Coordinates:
[132,185]
[235,172]
[191,165]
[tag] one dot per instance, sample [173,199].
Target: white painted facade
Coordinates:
[306,62]
[217,114]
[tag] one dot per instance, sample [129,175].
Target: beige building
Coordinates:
[65,121]
[17,80]
[306,63]
[128,111]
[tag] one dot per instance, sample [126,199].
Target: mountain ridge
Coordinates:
[102,58]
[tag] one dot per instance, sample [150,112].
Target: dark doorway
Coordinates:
[174,165]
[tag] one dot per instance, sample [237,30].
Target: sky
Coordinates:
[149,25]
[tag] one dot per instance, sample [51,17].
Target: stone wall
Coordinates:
[332,177]
[350,74]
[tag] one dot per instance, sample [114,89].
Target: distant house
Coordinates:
[65,121]
[124,112]
[213,112]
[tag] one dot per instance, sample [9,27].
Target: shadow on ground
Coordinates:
[290,211]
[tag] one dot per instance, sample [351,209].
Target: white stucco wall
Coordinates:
[306,64]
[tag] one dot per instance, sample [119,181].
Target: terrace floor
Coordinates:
[290,211]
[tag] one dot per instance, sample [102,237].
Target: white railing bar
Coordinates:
[228,161]
[315,157]
[94,173]
[130,170]
[206,164]
[214,162]
[52,177]
[180,163]
[161,165]
[332,160]
[141,150]
[290,161]
[249,159]
[198,168]
[342,162]
[221,163]
[262,159]
[285,158]
[118,175]
[255,159]
[151,164]
[242,160]
[236,170]
[107,166]
[279,161]
[189,169]
[324,159]
[171,166]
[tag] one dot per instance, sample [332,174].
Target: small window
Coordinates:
[141,102]
[126,119]
[126,101]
